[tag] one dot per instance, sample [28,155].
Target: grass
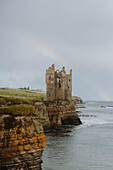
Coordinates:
[18,110]
[8,101]
[21,93]
[19,101]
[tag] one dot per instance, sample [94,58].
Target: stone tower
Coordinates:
[58,84]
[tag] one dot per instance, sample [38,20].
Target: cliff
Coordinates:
[23,121]
[21,142]
[50,114]
[21,133]
[62,113]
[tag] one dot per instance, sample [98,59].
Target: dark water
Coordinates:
[85,147]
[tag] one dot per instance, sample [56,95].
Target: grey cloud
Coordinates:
[77,34]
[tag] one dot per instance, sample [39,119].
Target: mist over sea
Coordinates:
[85,147]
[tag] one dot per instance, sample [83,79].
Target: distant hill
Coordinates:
[77,99]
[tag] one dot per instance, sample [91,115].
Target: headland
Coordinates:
[26,114]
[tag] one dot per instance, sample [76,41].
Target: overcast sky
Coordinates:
[77,34]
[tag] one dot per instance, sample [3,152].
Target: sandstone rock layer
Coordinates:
[21,142]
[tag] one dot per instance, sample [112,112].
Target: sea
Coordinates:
[88,146]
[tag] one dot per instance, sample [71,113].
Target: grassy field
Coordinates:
[22,93]
[19,101]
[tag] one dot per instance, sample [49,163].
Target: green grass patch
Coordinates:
[22,93]
[20,96]
[18,110]
[8,101]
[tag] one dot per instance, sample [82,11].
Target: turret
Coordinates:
[70,71]
[63,69]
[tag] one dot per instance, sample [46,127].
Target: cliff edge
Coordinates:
[24,117]
[62,113]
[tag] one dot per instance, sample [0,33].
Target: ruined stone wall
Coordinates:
[50,83]
[61,109]
[58,84]
[69,87]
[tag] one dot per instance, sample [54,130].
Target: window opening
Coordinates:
[59,84]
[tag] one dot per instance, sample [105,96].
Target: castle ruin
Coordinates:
[58,84]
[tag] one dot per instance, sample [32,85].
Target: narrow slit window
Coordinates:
[59,83]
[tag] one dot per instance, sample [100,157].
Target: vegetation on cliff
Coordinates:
[18,102]
[18,110]
[22,93]
[24,103]
[8,101]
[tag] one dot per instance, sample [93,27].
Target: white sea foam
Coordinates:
[94,122]
[109,107]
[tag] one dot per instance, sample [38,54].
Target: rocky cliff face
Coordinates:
[62,113]
[42,115]
[21,133]
[21,142]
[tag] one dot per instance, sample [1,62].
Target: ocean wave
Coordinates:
[90,102]
[107,107]
[84,115]
[91,122]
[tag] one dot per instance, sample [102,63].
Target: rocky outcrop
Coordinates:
[21,133]
[25,106]
[77,99]
[51,114]
[21,142]
[42,115]
[62,113]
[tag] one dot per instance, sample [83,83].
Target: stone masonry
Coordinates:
[58,84]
